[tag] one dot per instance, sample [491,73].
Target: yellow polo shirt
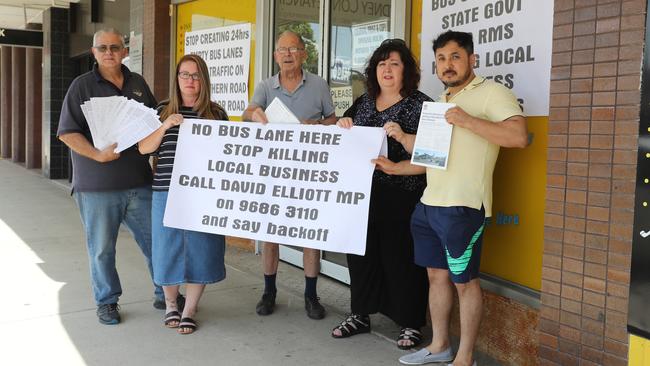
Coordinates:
[468,178]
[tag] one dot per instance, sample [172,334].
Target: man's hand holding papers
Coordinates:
[258,115]
[457,116]
[118,120]
[278,112]
[107,154]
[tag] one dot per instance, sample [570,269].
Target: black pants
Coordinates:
[385,279]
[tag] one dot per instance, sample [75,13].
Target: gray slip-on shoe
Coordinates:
[423,356]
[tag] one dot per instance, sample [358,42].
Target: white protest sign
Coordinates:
[512,39]
[300,185]
[226,51]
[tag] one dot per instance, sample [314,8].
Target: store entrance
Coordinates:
[338,40]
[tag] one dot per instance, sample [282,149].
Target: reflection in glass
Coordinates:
[302,18]
[357,29]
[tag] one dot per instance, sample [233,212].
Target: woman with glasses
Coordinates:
[385,279]
[182,256]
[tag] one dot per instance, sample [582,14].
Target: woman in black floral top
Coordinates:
[386,279]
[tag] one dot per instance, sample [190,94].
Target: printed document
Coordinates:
[278,112]
[433,139]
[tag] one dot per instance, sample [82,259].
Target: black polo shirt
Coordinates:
[132,169]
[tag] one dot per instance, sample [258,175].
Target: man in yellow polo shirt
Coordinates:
[447,224]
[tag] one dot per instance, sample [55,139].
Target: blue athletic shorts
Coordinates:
[449,238]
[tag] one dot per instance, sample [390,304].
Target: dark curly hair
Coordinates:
[411,76]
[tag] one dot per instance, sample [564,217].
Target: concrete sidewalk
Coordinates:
[48,315]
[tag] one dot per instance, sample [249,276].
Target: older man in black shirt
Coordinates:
[110,188]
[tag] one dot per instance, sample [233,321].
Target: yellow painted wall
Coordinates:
[639,351]
[205,14]
[512,252]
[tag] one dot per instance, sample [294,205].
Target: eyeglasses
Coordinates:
[395,41]
[186,75]
[114,48]
[290,49]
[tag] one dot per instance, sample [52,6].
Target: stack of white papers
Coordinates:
[118,119]
[278,112]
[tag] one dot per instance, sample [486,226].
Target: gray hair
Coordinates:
[288,32]
[108,30]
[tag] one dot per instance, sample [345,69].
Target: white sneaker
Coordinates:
[423,356]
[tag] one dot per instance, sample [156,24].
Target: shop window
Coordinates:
[355,33]
[303,20]
[342,37]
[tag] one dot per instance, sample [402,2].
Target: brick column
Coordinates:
[18,105]
[593,133]
[155,47]
[33,101]
[5,102]
[57,75]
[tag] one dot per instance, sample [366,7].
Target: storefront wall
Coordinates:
[593,136]
[557,254]
[559,258]
[514,239]
[514,246]
[511,262]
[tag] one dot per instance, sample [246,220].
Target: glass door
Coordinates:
[303,18]
[354,36]
[345,33]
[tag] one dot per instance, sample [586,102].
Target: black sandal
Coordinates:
[409,334]
[171,318]
[187,323]
[352,325]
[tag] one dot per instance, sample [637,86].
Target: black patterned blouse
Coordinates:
[406,113]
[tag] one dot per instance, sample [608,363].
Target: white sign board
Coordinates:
[512,39]
[366,38]
[292,184]
[135,53]
[226,51]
